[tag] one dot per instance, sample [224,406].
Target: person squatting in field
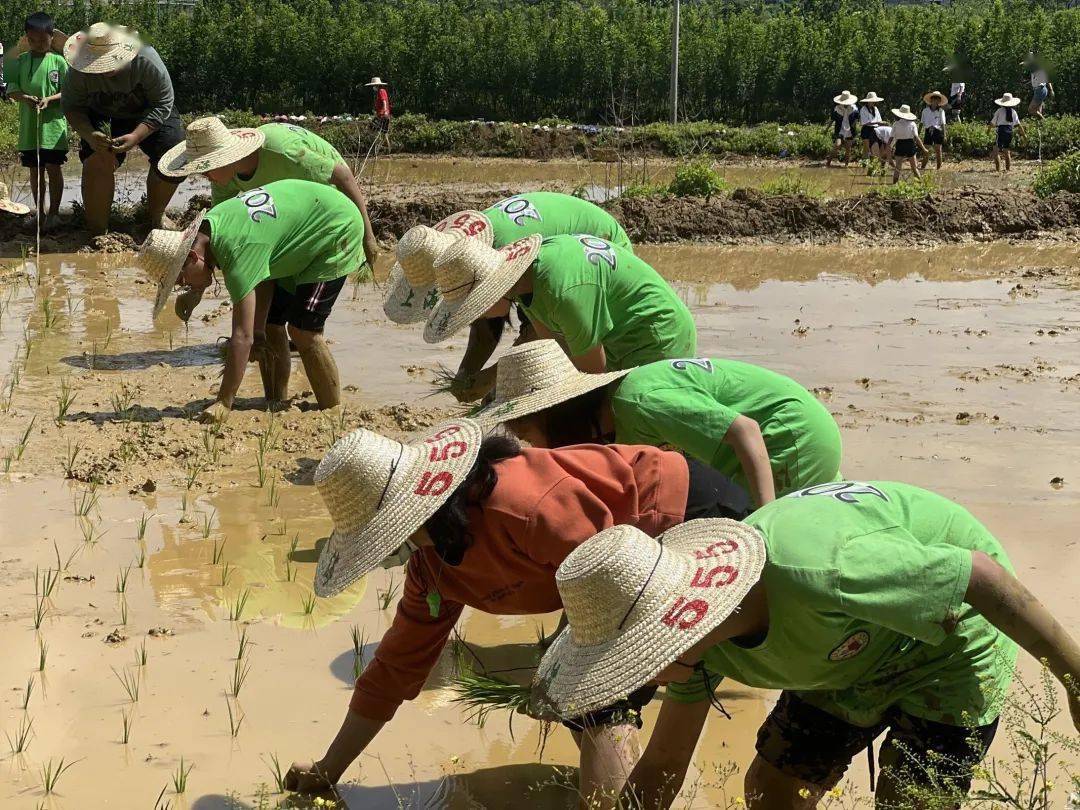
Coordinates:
[873,606]
[483,523]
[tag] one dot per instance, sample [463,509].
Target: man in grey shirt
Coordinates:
[117,81]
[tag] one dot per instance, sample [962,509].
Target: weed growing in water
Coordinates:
[275,771]
[236,608]
[51,773]
[130,683]
[69,459]
[235,721]
[121,580]
[127,721]
[208,523]
[180,778]
[385,597]
[307,602]
[240,673]
[24,440]
[219,550]
[63,401]
[29,691]
[43,653]
[22,736]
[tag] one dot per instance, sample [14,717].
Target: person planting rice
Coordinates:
[484,523]
[844,115]
[1005,120]
[882,147]
[905,142]
[873,606]
[612,309]
[284,252]
[546,213]
[869,117]
[761,429]
[933,123]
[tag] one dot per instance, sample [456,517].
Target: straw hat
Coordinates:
[846,99]
[162,256]
[935,95]
[9,205]
[534,376]
[379,491]
[102,48]
[376,82]
[904,111]
[411,282]
[471,278]
[209,144]
[1007,100]
[871,98]
[635,604]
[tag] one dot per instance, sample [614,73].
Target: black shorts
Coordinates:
[381,124]
[49,157]
[869,133]
[307,308]
[957,102]
[814,746]
[1004,137]
[932,136]
[711,494]
[627,710]
[156,144]
[905,147]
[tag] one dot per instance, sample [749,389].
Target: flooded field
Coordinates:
[183,631]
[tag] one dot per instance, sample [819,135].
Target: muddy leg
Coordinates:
[994,155]
[277,365]
[914,168]
[897,163]
[56,189]
[937,156]
[37,190]
[158,194]
[1008,159]
[98,186]
[769,788]
[319,365]
[608,755]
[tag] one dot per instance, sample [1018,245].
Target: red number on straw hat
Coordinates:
[450,431]
[676,617]
[451,450]
[703,579]
[434,483]
[717,548]
[517,249]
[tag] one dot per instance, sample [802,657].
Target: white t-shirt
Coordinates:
[1039,77]
[903,130]
[884,134]
[845,125]
[1005,117]
[869,115]
[956,88]
[933,118]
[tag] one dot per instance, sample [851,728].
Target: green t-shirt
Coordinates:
[288,153]
[690,404]
[549,213]
[40,76]
[593,292]
[293,231]
[866,585]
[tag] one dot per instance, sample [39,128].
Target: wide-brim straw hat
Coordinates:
[471,277]
[535,376]
[411,283]
[376,82]
[904,111]
[9,205]
[1007,100]
[379,492]
[102,48]
[209,144]
[935,95]
[162,256]
[846,99]
[871,98]
[635,604]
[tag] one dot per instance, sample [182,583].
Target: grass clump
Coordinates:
[697,179]
[1062,174]
[790,184]
[917,188]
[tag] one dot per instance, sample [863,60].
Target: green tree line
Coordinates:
[584,60]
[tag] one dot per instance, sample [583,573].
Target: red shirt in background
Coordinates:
[382,103]
[545,504]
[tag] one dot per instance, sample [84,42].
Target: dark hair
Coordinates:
[449,526]
[40,21]
[576,421]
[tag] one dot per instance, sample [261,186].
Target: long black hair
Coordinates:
[449,526]
[576,421]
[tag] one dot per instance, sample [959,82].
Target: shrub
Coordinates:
[698,179]
[644,190]
[913,189]
[791,184]
[1062,174]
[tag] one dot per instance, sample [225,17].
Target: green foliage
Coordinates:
[9,129]
[644,190]
[1062,174]
[913,189]
[791,184]
[698,179]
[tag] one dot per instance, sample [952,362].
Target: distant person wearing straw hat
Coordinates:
[1004,121]
[483,523]
[35,79]
[118,95]
[238,160]
[872,605]
[869,118]
[284,252]
[381,104]
[844,116]
[611,309]
[546,213]
[761,429]
[933,124]
[905,141]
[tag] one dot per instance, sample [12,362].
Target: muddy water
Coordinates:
[899,348]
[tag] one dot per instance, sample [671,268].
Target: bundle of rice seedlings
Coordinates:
[482,694]
[442,380]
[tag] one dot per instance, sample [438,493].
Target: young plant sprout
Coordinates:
[87,501]
[73,304]
[226,572]
[69,459]
[130,683]
[41,610]
[236,608]
[208,523]
[121,580]
[127,720]
[29,691]
[180,778]
[242,644]
[21,741]
[140,655]
[359,639]
[51,773]
[89,531]
[385,597]
[275,771]
[20,448]
[240,673]
[143,521]
[218,552]
[194,469]
[235,720]
[121,400]
[140,560]
[64,399]
[49,316]
[307,602]
[67,564]
[123,611]
[45,581]
[43,653]
[272,493]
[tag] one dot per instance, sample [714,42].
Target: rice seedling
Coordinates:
[45,581]
[183,503]
[180,778]
[275,771]
[208,523]
[24,440]
[157,803]
[226,572]
[140,560]
[193,469]
[123,611]
[7,462]
[307,603]
[22,736]
[127,720]
[73,304]
[92,357]
[482,694]
[239,676]
[235,720]
[272,493]
[242,644]
[89,531]
[108,333]
[218,552]
[260,464]
[67,564]
[51,773]
[129,682]
[72,454]
[28,346]
[385,597]
[64,399]
[29,691]
[41,610]
[49,316]
[141,530]
[236,607]
[43,653]
[140,655]
[122,399]
[121,580]
[290,572]
[87,501]
[359,639]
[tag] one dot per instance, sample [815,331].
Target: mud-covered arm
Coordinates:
[344,181]
[473,381]
[659,774]
[243,335]
[1014,610]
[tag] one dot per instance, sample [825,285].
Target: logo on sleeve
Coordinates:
[54,77]
[519,209]
[597,251]
[850,647]
[844,491]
